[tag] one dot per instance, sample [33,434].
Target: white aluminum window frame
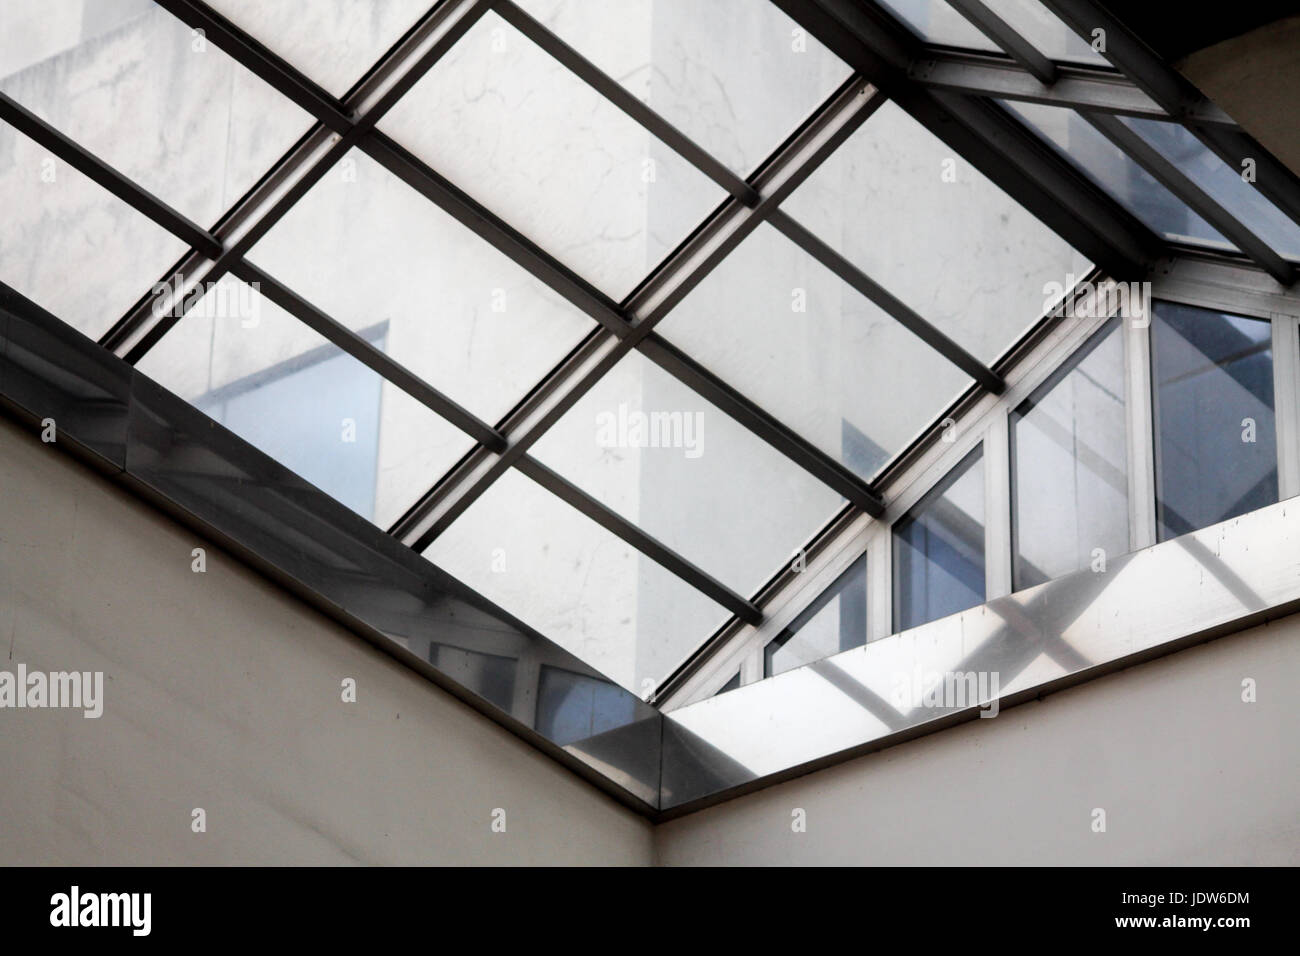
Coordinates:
[1188,280]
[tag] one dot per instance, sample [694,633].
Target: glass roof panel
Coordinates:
[576,583]
[921,221]
[541,149]
[312,407]
[335,42]
[1111,168]
[936,22]
[789,334]
[658,454]
[130,83]
[734,75]
[1049,35]
[1224,184]
[70,246]
[364,247]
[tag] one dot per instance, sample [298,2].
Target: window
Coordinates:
[1216,448]
[836,621]
[939,549]
[1069,465]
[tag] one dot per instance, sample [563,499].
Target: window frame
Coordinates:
[1201,281]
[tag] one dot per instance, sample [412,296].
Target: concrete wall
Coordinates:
[1186,772]
[223,692]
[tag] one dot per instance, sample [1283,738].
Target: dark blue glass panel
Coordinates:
[836,621]
[1216,445]
[939,549]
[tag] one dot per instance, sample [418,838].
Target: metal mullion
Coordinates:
[1075,87]
[784,439]
[141,328]
[365,353]
[261,61]
[1003,149]
[1181,99]
[94,168]
[658,552]
[483,222]
[1007,39]
[614,91]
[788,166]
[891,304]
[1199,201]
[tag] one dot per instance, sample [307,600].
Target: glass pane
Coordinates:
[655,452]
[309,405]
[922,222]
[836,621]
[939,549]
[1070,465]
[130,83]
[1050,36]
[576,583]
[1110,168]
[335,42]
[936,22]
[364,247]
[1216,448]
[730,74]
[70,246]
[1222,182]
[790,335]
[542,150]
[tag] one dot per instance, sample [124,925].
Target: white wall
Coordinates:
[1186,772]
[223,692]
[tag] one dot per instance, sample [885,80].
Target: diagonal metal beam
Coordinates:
[362,134]
[94,168]
[1016,160]
[1075,87]
[571,494]
[682,271]
[1007,39]
[302,166]
[685,369]
[617,94]
[1181,99]
[891,304]
[1182,186]
[356,346]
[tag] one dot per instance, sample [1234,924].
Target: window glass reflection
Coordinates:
[573,707]
[1070,465]
[836,621]
[1223,183]
[1111,168]
[1216,448]
[280,386]
[939,549]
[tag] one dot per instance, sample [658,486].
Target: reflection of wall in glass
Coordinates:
[939,548]
[1070,465]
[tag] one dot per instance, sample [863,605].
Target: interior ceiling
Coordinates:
[1169,29]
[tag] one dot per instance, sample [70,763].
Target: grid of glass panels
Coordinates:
[515,150]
